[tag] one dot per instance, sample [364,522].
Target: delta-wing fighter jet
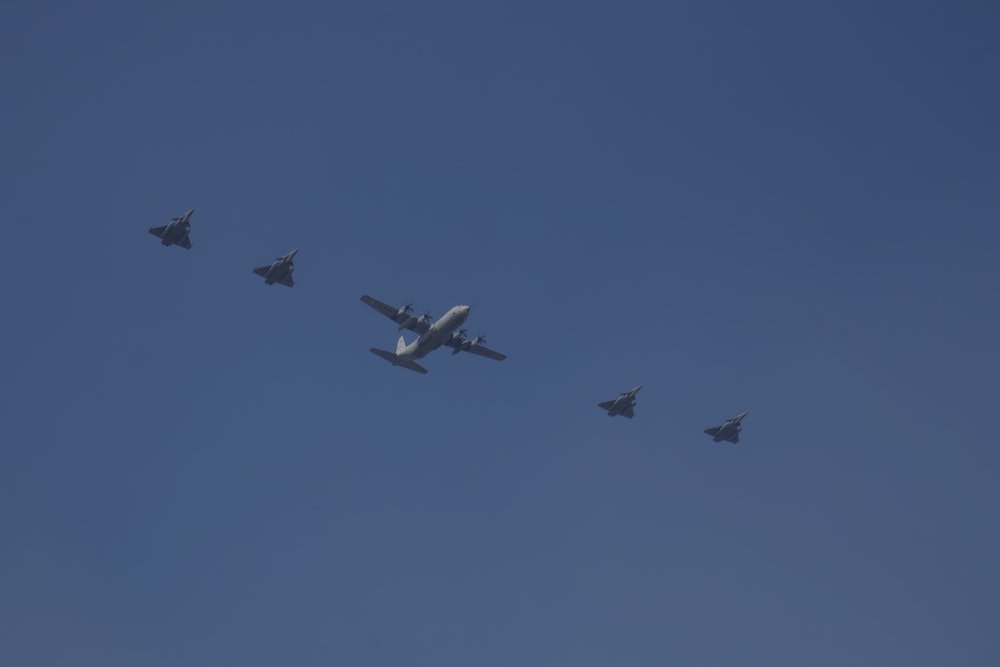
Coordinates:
[280,271]
[624,405]
[730,431]
[177,232]
[432,335]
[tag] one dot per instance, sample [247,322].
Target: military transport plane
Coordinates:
[624,405]
[176,233]
[730,431]
[280,271]
[432,335]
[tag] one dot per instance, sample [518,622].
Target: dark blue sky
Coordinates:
[781,207]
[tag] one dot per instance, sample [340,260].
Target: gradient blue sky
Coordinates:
[782,207]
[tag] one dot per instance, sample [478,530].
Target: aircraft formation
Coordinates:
[432,334]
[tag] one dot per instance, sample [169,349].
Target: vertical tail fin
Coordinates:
[400,345]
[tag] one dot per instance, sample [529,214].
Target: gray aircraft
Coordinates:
[730,431]
[176,233]
[432,335]
[624,405]
[280,271]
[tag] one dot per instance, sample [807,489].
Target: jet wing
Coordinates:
[481,350]
[185,243]
[629,412]
[606,405]
[412,323]
[712,431]
[158,231]
[734,438]
[287,280]
[262,270]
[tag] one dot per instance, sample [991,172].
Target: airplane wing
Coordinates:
[287,280]
[734,438]
[158,231]
[481,350]
[262,271]
[713,431]
[629,412]
[412,323]
[185,243]
[606,405]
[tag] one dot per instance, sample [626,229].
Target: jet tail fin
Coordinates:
[396,361]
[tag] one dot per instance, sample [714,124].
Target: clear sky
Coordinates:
[782,207]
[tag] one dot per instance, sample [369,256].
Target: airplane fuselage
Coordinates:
[730,428]
[280,268]
[276,272]
[622,404]
[437,335]
[175,232]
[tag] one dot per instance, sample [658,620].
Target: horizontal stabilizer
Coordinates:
[396,361]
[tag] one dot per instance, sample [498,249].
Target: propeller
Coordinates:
[479,340]
[426,317]
[463,342]
[405,310]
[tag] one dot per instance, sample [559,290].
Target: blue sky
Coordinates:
[786,208]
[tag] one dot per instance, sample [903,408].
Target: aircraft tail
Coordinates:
[396,361]
[400,345]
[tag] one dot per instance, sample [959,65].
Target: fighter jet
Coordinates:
[432,335]
[730,431]
[280,271]
[624,405]
[176,233]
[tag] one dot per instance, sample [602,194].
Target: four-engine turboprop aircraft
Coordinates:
[432,335]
